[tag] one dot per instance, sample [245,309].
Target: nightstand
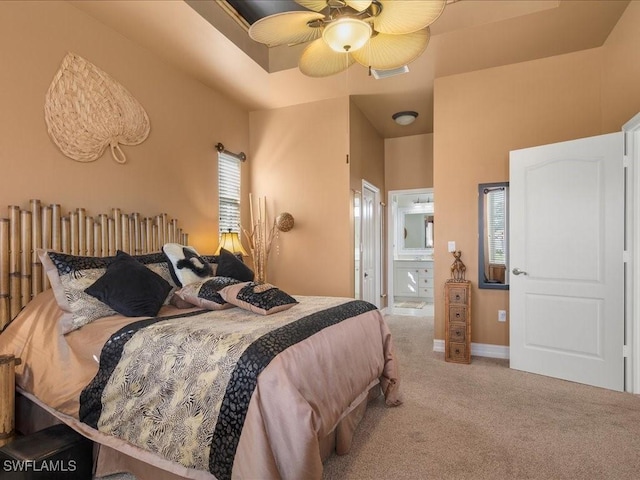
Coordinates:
[54,453]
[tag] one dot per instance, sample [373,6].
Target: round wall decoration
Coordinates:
[284,222]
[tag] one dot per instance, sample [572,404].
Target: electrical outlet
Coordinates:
[452,246]
[502,315]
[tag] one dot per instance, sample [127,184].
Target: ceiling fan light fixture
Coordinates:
[347,34]
[404,118]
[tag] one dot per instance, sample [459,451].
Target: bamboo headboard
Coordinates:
[77,233]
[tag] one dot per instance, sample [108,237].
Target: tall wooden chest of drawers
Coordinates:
[457,322]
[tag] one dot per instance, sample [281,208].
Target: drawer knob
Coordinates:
[457,350]
[457,315]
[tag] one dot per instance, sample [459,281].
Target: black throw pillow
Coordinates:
[230,266]
[130,288]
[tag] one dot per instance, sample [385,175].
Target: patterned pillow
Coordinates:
[262,298]
[204,293]
[70,275]
[185,264]
[130,288]
[156,262]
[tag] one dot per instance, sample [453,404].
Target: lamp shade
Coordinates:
[347,34]
[230,242]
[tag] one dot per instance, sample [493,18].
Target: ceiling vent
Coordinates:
[380,74]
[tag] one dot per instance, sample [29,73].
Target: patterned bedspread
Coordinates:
[180,386]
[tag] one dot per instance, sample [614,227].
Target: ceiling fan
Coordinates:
[379,34]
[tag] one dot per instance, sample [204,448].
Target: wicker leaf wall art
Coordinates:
[87,111]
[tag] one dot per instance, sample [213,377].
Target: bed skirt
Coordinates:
[109,457]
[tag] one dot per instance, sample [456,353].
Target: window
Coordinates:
[496,223]
[229,192]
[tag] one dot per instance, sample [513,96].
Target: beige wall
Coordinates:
[621,72]
[366,151]
[481,116]
[173,171]
[299,163]
[366,158]
[408,162]
[297,156]
[298,160]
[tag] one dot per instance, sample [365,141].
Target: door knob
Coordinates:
[517,271]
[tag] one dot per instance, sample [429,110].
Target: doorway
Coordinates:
[368,243]
[410,237]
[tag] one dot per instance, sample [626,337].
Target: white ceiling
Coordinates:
[202,39]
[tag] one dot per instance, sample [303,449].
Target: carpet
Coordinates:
[486,421]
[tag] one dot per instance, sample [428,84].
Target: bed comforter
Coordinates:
[227,393]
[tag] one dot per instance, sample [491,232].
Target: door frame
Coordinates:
[377,242]
[392,219]
[631,131]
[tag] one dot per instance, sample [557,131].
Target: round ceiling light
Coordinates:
[405,118]
[347,34]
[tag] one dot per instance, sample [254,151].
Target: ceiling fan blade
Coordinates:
[319,5]
[384,51]
[315,5]
[319,60]
[286,28]
[399,16]
[358,5]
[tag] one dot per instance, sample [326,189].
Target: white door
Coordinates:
[370,244]
[566,254]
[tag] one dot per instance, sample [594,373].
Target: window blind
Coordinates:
[229,192]
[496,226]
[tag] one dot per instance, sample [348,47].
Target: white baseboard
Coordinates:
[479,349]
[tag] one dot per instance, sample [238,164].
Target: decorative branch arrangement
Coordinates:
[260,238]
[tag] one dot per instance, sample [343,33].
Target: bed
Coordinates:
[229,378]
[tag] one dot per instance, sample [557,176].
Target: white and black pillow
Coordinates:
[186,265]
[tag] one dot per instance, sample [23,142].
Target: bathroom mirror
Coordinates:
[415,230]
[493,238]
